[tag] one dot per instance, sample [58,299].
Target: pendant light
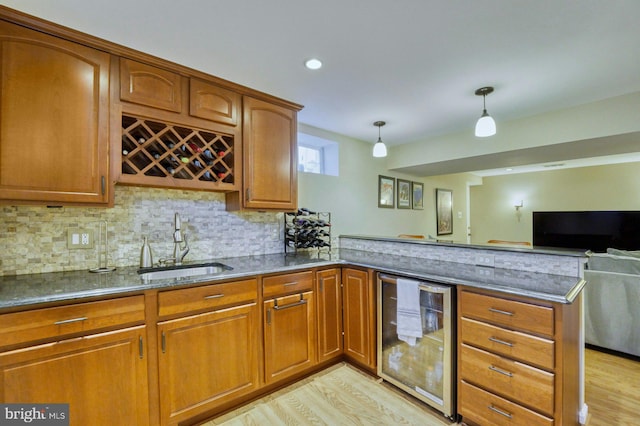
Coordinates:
[485,126]
[379,149]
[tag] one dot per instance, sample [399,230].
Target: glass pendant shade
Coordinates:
[379,149]
[486,126]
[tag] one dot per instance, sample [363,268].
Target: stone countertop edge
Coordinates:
[498,247]
[22,292]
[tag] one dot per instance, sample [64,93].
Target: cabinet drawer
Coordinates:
[488,409]
[288,283]
[513,344]
[50,323]
[205,297]
[514,380]
[509,313]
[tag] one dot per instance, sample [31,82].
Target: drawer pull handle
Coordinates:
[214,296]
[502,342]
[70,320]
[300,302]
[499,311]
[501,371]
[499,411]
[289,284]
[140,347]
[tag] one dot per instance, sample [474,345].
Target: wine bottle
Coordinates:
[194,148]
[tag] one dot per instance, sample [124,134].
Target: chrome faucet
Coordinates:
[179,251]
[180,244]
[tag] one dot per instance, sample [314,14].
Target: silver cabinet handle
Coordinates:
[289,284]
[499,411]
[71,320]
[502,342]
[164,343]
[501,371]
[300,302]
[499,311]
[321,284]
[214,296]
[268,316]
[140,347]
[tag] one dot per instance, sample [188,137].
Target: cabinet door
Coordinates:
[54,126]
[359,317]
[206,360]
[329,300]
[269,156]
[103,377]
[146,85]
[289,338]
[213,103]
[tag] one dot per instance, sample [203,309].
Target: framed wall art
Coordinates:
[417,200]
[386,191]
[444,211]
[404,194]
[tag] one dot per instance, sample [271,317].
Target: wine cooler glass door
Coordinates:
[420,364]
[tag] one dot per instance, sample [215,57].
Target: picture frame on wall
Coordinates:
[386,192]
[417,198]
[404,194]
[444,211]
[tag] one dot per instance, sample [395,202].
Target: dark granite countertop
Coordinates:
[25,291]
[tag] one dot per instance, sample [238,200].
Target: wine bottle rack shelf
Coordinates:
[305,230]
[164,154]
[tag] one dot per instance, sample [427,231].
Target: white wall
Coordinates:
[352,197]
[493,216]
[608,117]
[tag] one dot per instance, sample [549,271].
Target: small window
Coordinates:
[317,155]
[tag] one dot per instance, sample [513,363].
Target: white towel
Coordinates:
[408,312]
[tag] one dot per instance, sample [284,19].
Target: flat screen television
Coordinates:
[589,230]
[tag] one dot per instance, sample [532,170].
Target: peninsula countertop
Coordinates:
[27,291]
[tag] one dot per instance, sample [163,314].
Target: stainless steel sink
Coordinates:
[182,271]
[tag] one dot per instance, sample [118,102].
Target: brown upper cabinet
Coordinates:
[55,120]
[213,103]
[150,86]
[270,175]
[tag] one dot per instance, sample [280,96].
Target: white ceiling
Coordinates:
[412,63]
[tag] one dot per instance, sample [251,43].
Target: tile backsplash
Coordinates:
[34,239]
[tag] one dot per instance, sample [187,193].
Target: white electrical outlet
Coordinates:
[485,259]
[484,271]
[80,239]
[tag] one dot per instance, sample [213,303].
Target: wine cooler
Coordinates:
[415,341]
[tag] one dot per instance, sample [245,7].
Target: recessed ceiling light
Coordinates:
[509,169]
[313,64]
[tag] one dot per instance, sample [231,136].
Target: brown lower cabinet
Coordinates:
[182,355]
[358,297]
[329,308]
[93,356]
[206,360]
[518,360]
[289,325]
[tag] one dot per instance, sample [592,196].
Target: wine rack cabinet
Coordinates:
[305,230]
[156,153]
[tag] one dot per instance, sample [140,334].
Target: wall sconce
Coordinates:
[518,206]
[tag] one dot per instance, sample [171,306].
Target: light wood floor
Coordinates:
[342,395]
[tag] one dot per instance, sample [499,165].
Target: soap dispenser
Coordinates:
[146,258]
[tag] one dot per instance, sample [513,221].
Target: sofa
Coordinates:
[612,300]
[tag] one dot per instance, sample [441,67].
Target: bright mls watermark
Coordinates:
[34,414]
